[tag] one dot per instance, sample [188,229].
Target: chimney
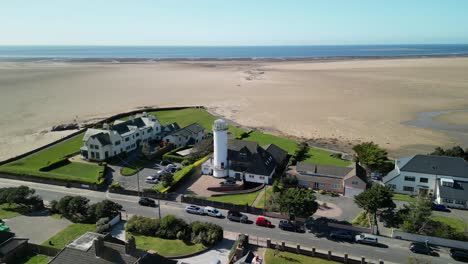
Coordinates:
[130,246]
[98,245]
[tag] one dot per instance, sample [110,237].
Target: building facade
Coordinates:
[189,135]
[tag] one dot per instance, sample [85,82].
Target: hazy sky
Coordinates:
[232,22]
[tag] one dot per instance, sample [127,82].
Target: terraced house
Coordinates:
[122,136]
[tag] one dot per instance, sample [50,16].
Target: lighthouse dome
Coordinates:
[220,125]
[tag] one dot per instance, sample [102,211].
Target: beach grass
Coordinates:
[67,235]
[166,247]
[290,258]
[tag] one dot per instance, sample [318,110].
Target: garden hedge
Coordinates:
[55,164]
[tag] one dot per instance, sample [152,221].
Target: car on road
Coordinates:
[211,211]
[342,235]
[366,239]
[421,248]
[145,201]
[193,209]
[263,221]
[227,183]
[237,217]
[292,226]
[151,179]
[459,254]
[439,207]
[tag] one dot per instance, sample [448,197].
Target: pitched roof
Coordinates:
[11,244]
[459,191]
[440,165]
[278,153]
[247,259]
[172,127]
[189,130]
[248,156]
[324,170]
[122,128]
[103,138]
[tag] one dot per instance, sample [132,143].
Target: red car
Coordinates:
[262,221]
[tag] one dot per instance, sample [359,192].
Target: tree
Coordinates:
[374,199]
[298,201]
[107,208]
[167,179]
[74,208]
[301,153]
[456,151]
[417,216]
[370,155]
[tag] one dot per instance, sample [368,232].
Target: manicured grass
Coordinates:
[291,258]
[74,171]
[320,156]
[70,233]
[261,202]
[37,259]
[7,211]
[361,219]
[456,223]
[240,199]
[404,197]
[166,247]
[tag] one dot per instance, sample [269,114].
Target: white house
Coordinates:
[241,159]
[441,177]
[189,135]
[122,136]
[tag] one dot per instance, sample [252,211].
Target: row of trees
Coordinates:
[77,209]
[22,196]
[171,227]
[292,200]
[456,151]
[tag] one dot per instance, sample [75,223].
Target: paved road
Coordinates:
[392,251]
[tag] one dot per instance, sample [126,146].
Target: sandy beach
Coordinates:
[339,101]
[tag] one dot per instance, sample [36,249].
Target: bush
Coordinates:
[290,181]
[53,206]
[170,226]
[167,179]
[185,163]
[115,185]
[142,225]
[322,192]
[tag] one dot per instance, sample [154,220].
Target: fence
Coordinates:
[351,228]
[150,194]
[43,250]
[431,240]
[234,191]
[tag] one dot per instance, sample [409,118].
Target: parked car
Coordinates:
[145,201]
[376,176]
[262,221]
[366,239]
[151,179]
[342,235]
[237,217]
[421,248]
[292,226]
[227,183]
[211,211]
[164,162]
[193,209]
[439,207]
[170,166]
[459,254]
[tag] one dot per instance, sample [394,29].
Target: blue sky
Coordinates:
[232,22]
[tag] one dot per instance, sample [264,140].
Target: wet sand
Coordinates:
[460,118]
[344,102]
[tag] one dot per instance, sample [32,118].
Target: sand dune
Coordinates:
[347,100]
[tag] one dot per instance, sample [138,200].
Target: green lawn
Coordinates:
[70,233]
[403,197]
[240,199]
[7,211]
[456,223]
[74,171]
[291,258]
[37,259]
[166,247]
[261,203]
[320,156]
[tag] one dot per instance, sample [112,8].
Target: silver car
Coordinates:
[193,209]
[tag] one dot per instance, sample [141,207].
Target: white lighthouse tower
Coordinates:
[220,143]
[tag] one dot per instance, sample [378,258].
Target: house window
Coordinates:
[424,180]
[410,178]
[143,132]
[335,186]
[448,184]
[117,143]
[392,186]
[137,134]
[316,185]
[354,182]
[251,176]
[92,155]
[408,189]
[321,185]
[459,202]
[447,200]
[97,155]
[127,139]
[262,177]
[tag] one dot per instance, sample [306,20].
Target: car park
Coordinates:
[237,217]
[421,248]
[145,201]
[211,211]
[292,226]
[193,209]
[459,254]
[366,239]
[263,221]
[342,235]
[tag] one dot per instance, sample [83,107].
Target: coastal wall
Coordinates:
[431,240]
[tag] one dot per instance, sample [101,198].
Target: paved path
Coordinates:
[259,197]
[392,250]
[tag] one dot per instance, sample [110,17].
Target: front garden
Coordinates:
[238,199]
[282,257]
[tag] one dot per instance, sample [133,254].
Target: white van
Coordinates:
[211,211]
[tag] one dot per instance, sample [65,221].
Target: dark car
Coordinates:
[439,207]
[459,254]
[421,248]
[237,217]
[291,226]
[146,202]
[165,162]
[342,235]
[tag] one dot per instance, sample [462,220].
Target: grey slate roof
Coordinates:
[172,127]
[459,191]
[247,259]
[103,138]
[11,244]
[189,130]
[248,156]
[122,128]
[440,165]
[278,153]
[325,170]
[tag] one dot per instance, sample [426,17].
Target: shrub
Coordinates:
[142,225]
[322,192]
[107,208]
[167,179]
[53,206]
[102,225]
[170,226]
[290,180]
[334,194]
[115,185]
[185,163]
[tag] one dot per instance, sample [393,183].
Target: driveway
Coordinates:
[220,251]
[131,182]
[38,227]
[342,208]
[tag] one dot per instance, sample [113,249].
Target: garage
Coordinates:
[351,192]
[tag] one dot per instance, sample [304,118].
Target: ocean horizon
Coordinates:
[228,52]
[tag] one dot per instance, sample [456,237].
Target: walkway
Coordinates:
[259,197]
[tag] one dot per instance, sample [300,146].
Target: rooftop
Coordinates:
[442,165]
[459,191]
[324,170]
